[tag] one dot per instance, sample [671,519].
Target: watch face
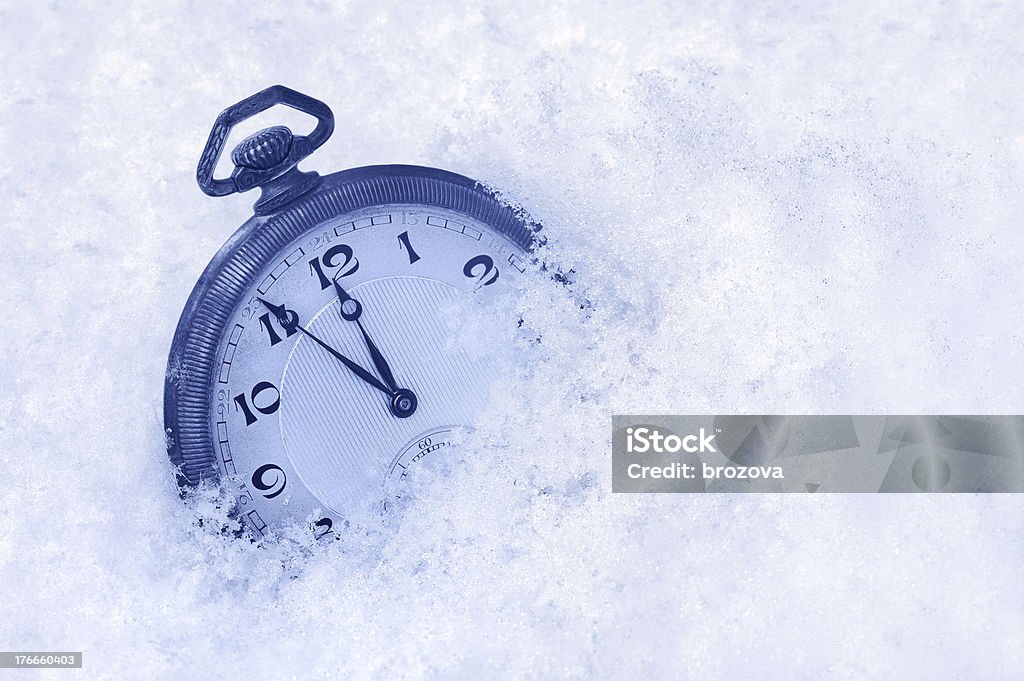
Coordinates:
[342,362]
[301,426]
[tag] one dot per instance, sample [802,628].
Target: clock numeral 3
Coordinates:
[259,389]
[487,276]
[338,257]
[269,479]
[403,240]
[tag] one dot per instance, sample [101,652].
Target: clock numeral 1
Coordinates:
[241,404]
[268,326]
[403,240]
[336,257]
[472,270]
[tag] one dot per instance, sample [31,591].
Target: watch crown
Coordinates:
[264,150]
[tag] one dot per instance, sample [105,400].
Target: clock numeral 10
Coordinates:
[336,257]
[241,404]
[482,269]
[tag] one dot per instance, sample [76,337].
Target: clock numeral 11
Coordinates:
[268,326]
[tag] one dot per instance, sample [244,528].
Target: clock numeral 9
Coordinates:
[336,257]
[489,273]
[259,389]
[269,485]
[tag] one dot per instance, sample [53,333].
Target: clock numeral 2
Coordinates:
[262,387]
[403,240]
[472,270]
[326,524]
[331,259]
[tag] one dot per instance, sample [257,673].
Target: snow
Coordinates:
[788,208]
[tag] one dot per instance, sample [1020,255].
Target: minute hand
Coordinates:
[351,312]
[289,319]
[353,367]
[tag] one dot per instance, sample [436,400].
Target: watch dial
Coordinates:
[342,366]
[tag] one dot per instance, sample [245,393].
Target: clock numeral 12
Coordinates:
[242,405]
[330,260]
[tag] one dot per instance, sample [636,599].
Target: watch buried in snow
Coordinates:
[313,359]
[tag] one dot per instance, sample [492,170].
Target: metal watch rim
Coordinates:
[232,271]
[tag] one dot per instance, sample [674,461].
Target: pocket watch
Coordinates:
[314,358]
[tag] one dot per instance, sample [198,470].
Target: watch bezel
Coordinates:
[188,386]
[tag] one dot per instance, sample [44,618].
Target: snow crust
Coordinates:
[769,208]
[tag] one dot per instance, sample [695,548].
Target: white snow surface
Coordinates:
[785,208]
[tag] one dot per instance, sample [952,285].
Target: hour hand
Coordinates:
[351,310]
